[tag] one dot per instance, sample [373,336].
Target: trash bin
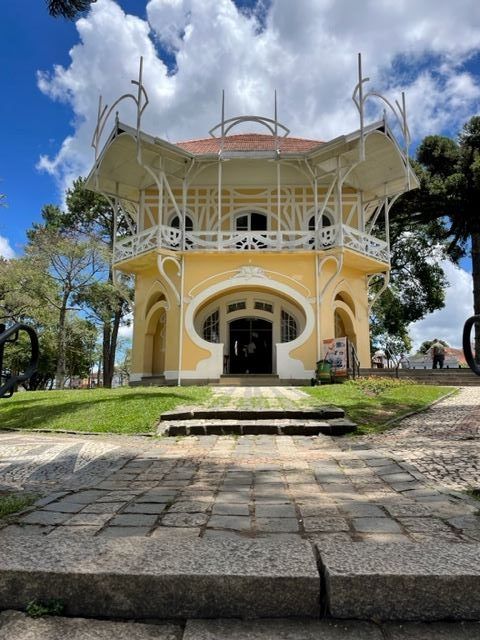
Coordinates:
[324,372]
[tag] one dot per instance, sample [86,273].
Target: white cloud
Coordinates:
[6,250]
[306,49]
[447,323]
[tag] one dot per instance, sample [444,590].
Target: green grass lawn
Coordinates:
[372,403]
[125,410]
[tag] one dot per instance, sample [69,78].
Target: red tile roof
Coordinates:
[248,142]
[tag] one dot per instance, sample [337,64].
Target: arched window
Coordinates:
[288,325]
[188,223]
[251,221]
[326,222]
[211,327]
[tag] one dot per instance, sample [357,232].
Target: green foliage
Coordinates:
[36,609]
[14,502]
[69,9]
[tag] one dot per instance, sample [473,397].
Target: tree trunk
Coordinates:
[475,237]
[107,332]
[110,337]
[61,345]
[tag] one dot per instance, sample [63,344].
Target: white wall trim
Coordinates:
[287,367]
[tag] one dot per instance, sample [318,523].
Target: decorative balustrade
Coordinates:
[325,238]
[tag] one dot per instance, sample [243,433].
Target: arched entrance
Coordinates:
[250,345]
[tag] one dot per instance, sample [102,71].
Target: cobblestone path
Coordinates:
[397,486]
[443,443]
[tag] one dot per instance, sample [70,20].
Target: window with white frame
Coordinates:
[326,222]
[289,329]
[236,306]
[251,221]
[175,222]
[263,306]
[211,327]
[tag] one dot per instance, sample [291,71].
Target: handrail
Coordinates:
[355,361]
[467,344]
[7,389]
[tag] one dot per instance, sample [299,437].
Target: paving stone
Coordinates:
[275,511]
[219,534]
[189,507]
[103,507]
[231,497]
[183,578]
[165,533]
[155,508]
[425,525]
[320,509]
[45,517]
[241,523]
[384,538]
[122,532]
[85,497]
[117,496]
[162,498]
[363,510]
[133,520]
[277,524]
[376,525]
[280,630]
[25,530]
[184,519]
[223,509]
[327,524]
[433,631]
[81,530]
[50,498]
[18,626]
[403,581]
[91,519]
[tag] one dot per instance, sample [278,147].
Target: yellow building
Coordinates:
[249,249]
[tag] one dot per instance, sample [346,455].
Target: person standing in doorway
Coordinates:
[438,354]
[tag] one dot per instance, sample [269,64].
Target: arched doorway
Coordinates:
[250,345]
[155,340]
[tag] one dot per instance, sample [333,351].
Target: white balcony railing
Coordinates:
[326,238]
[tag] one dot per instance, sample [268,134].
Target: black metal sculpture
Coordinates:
[9,382]
[467,344]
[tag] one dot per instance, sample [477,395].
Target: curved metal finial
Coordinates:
[398,110]
[141,101]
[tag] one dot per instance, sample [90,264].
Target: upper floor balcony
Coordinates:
[174,239]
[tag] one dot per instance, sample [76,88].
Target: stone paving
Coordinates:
[399,486]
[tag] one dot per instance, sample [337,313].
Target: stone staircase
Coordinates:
[443,377]
[145,578]
[325,420]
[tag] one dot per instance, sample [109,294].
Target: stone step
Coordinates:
[402,581]
[320,413]
[446,377]
[141,579]
[15,625]
[333,427]
[135,578]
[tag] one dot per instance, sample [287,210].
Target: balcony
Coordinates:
[330,237]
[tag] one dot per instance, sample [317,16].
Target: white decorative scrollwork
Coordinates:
[161,261]
[370,281]
[338,264]
[249,271]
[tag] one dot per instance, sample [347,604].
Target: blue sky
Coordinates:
[194,48]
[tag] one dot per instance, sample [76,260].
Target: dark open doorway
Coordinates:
[250,346]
